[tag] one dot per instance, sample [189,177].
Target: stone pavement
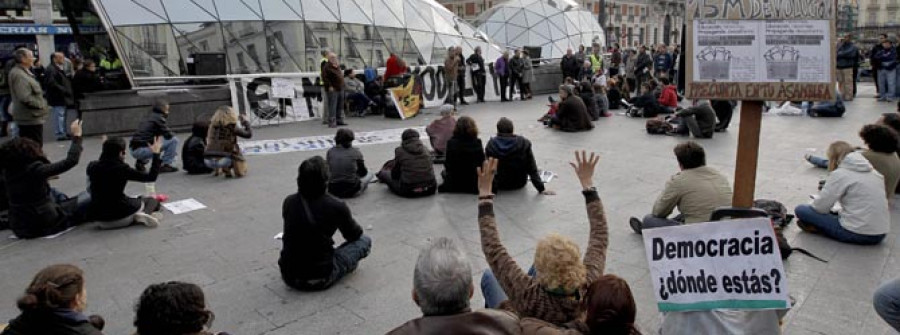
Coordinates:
[229,248]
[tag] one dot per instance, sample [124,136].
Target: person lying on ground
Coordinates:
[554,290]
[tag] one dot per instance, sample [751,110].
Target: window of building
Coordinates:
[470,8]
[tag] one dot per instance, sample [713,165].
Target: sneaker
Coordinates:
[636,225]
[464,103]
[140,166]
[807,227]
[166,168]
[146,220]
[158,216]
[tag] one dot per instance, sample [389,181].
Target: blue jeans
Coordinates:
[491,290]
[887,302]
[346,259]
[819,162]
[59,112]
[887,84]
[218,163]
[169,152]
[830,225]
[335,111]
[5,101]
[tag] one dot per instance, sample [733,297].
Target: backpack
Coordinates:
[658,127]
[780,220]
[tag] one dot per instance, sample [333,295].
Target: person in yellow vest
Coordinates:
[596,59]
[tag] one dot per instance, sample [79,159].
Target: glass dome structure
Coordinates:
[157,38]
[552,25]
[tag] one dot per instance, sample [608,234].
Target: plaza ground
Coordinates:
[229,248]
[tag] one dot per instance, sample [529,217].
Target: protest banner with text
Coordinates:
[731,264]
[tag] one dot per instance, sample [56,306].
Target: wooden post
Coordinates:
[747,154]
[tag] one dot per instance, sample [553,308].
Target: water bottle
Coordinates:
[150,189]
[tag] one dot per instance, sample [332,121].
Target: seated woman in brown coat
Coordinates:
[554,288]
[571,114]
[222,151]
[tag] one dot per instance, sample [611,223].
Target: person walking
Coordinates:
[847,56]
[28,108]
[476,64]
[59,93]
[334,85]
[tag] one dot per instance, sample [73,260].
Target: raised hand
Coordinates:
[75,128]
[156,147]
[486,177]
[584,168]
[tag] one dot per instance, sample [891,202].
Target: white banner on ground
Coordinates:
[310,143]
[731,264]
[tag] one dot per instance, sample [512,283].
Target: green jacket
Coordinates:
[696,192]
[28,105]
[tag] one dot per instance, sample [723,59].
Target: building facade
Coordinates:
[43,26]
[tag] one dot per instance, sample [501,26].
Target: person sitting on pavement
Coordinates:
[589,98]
[644,105]
[375,91]
[697,190]
[863,217]
[555,287]
[347,169]
[602,100]
[516,160]
[54,303]
[724,109]
[699,120]
[153,126]
[440,130]
[572,114]
[309,261]
[609,309]
[173,308]
[614,94]
[222,150]
[887,303]
[108,177]
[36,209]
[355,91]
[442,288]
[411,173]
[668,99]
[465,153]
[193,149]
[882,154]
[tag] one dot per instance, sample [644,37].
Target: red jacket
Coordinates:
[668,98]
[393,67]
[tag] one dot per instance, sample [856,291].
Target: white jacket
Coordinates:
[860,191]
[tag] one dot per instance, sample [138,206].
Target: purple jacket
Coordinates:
[500,67]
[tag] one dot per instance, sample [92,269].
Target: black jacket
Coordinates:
[464,156]
[570,67]
[572,115]
[59,87]
[86,82]
[153,125]
[476,59]
[33,213]
[55,322]
[308,247]
[643,62]
[516,163]
[193,150]
[412,165]
[517,66]
[108,177]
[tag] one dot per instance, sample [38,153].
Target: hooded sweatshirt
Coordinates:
[412,163]
[860,190]
[192,151]
[516,162]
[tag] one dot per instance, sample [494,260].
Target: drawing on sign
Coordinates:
[782,63]
[715,63]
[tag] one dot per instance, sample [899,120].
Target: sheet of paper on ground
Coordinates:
[183,206]
[732,264]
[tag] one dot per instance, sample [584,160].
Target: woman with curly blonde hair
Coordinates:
[222,151]
[554,288]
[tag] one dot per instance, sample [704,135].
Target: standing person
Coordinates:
[347,169]
[501,68]
[108,177]
[309,261]
[451,67]
[642,66]
[323,62]
[36,209]
[28,108]
[59,93]
[517,70]
[53,304]
[476,63]
[847,56]
[527,75]
[334,84]
[411,173]
[223,154]
[464,155]
[392,67]
[153,126]
[7,127]
[581,56]
[615,61]
[87,80]
[662,62]
[628,86]
[517,164]
[461,76]
[596,59]
[570,65]
[887,72]
[875,62]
